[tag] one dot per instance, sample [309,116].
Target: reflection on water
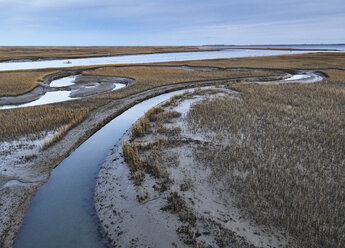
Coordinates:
[63,82]
[47,98]
[61,214]
[143,58]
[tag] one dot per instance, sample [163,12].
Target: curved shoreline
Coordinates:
[179,174]
[78,89]
[51,157]
[104,83]
[113,180]
[33,59]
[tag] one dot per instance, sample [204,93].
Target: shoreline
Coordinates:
[51,157]
[33,59]
[179,49]
[113,180]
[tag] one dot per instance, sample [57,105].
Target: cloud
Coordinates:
[171,21]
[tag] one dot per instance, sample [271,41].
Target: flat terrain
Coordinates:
[273,153]
[35,53]
[299,127]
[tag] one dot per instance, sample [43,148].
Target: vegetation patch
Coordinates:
[34,53]
[19,82]
[131,155]
[284,158]
[31,121]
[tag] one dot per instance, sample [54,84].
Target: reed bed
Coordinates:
[19,82]
[31,121]
[147,76]
[13,53]
[290,61]
[283,156]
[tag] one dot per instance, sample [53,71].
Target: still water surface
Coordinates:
[62,212]
[141,58]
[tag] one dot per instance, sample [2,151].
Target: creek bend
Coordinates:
[62,212]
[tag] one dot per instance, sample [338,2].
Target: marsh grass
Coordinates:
[19,82]
[12,53]
[131,155]
[283,156]
[152,163]
[291,61]
[147,76]
[56,136]
[15,123]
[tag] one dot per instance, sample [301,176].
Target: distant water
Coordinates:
[225,52]
[338,47]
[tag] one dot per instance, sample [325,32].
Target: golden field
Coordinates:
[148,77]
[33,53]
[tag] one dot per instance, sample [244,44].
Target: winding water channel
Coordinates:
[61,214]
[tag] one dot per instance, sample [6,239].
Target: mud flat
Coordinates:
[18,188]
[32,169]
[65,86]
[153,180]
[177,196]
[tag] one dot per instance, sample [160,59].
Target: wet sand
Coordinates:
[185,205]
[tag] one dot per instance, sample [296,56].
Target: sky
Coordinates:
[170,22]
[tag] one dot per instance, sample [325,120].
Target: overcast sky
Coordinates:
[170,22]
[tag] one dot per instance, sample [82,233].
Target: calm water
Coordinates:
[61,214]
[338,47]
[141,58]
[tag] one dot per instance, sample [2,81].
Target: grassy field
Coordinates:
[19,82]
[48,117]
[15,53]
[278,150]
[148,77]
[33,120]
[298,61]
[285,157]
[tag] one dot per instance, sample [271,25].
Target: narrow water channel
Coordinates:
[62,212]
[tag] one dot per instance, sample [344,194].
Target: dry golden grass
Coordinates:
[335,75]
[140,127]
[149,77]
[15,123]
[285,158]
[131,155]
[12,53]
[19,82]
[294,61]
